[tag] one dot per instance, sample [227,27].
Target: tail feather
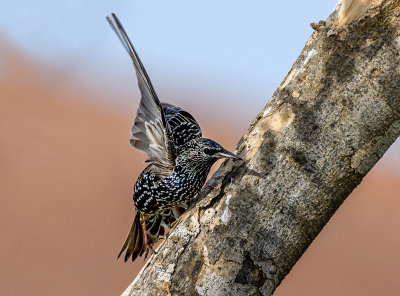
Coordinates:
[138,247]
[134,244]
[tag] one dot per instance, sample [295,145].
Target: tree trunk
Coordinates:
[329,122]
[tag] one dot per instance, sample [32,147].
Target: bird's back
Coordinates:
[182,125]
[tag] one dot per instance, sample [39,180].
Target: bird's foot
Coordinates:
[174,223]
[149,249]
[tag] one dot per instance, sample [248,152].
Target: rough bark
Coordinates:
[329,122]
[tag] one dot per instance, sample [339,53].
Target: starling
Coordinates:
[179,159]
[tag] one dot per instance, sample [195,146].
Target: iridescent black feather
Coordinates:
[180,159]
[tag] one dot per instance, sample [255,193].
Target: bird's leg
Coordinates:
[146,241]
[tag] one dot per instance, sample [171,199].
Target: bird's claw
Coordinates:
[149,249]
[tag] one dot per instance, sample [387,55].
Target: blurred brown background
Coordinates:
[66,179]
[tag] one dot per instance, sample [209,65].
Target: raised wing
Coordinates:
[150,131]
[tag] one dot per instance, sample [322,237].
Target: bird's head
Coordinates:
[202,151]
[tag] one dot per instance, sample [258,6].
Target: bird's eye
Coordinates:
[207,151]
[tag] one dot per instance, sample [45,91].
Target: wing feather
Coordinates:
[150,131]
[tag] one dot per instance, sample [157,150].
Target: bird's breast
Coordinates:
[152,194]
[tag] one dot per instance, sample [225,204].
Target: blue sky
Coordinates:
[236,49]
[223,51]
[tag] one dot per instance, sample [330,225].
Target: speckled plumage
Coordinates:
[180,159]
[154,194]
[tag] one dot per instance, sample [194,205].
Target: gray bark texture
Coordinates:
[329,122]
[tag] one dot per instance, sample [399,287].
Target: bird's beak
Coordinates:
[228,154]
